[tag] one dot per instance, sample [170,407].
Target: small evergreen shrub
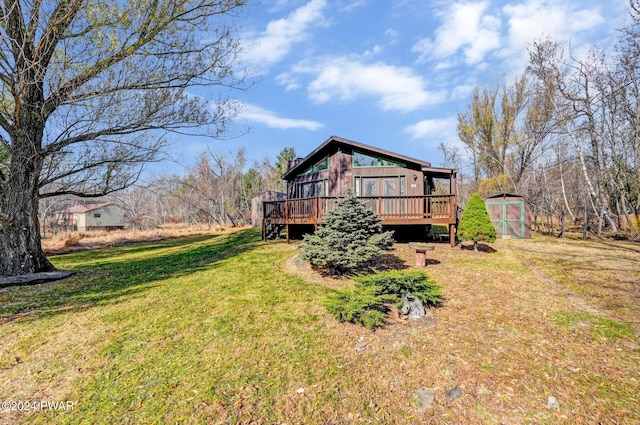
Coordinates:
[475,224]
[366,302]
[397,282]
[351,239]
[364,305]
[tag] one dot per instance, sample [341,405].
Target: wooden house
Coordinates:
[403,191]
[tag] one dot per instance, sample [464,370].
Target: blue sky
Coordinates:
[389,73]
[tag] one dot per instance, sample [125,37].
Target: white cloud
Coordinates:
[466,27]
[344,78]
[437,127]
[462,91]
[270,119]
[350,5]
[392,35]
[535,19]
[272,45]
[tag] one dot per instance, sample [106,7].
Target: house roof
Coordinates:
[335,140]
[83,208]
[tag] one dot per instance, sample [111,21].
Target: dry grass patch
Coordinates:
[509,336]
[66,242]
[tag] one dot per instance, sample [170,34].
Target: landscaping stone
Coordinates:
[412,307]
[454,393]
[33,278]
[552,403]
[361,345]
[424,398]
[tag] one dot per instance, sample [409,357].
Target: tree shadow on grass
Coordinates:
[108,276]
[481,248]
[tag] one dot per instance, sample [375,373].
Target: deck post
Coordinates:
[286,217]
[452,235]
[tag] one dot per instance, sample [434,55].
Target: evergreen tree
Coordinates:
[350,240]
[475,224]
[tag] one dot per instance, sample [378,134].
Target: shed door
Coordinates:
[507,218]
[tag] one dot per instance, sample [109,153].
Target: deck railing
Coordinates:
[391,209]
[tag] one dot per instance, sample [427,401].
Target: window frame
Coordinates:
[299,188]
[401,186]
[383,162]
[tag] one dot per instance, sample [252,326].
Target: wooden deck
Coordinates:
[393,210]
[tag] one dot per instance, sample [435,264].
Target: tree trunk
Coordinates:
[20,249]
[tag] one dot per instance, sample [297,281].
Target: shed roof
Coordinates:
[83,208]
[504,195]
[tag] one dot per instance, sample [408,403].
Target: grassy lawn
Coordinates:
[212,329]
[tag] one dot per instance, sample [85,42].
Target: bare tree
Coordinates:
[89,90]
[503,129]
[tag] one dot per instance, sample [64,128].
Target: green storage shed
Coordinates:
[510,215]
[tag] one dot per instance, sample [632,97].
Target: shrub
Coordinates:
[475,224]
[364,305]
[351,239]
[396,283]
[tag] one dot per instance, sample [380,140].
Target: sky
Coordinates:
[389,73]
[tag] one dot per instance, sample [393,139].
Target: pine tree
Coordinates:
[350,240]
[475,224]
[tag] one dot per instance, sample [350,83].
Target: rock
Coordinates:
[552,403]
[34,278]
[412,307]
[454,393]
[361,346]
[424,398]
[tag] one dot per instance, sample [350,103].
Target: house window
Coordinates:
[363,160]
[321,165]
[318,167]
[312,188]
[96,215]
[370,187]
[380,185]
[383,193]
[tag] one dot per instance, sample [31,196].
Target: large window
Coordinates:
[322,165]
[380,185]
[390,188]
[363,160]
[312,188]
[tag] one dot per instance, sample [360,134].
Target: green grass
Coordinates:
[187,333]
[602,327]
